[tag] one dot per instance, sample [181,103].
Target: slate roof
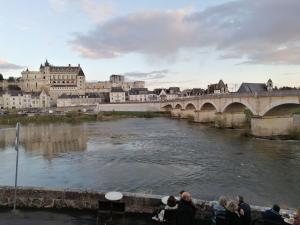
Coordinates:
[63,69]
[137,91]
[252,88]
[88,95]
[117,89]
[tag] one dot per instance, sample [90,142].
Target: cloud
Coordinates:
[9,66]
[256,32]
[153,75]
[154,33]
[96,10]
[59,5]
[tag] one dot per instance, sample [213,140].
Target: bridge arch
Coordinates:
[281,109]
[178,106]
[276,104]
[208,106]
[167,107]
[237,107]
[190,106]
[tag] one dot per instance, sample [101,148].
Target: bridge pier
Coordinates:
[205,116]
[176,113]
[230,120]
[269,126]
[188,114]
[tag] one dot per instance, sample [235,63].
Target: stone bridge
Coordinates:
[269,113]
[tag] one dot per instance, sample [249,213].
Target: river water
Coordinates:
[159,156]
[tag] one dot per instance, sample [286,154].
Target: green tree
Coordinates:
[1,77]
[13,87]
[11,79]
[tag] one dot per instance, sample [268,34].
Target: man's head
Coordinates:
[186,196]
[240,199]
[276,208]
[223,201]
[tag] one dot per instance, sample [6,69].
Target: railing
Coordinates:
[235,95]
[281,93]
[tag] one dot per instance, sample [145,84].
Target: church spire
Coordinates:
[47,63]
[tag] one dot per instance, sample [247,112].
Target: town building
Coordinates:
[256,87]
[117,95]
[24,100]
[57,80]
[138,95]
[114,81]
[193,92]
[117,79]
[89,99]
[218,88]
[164,94]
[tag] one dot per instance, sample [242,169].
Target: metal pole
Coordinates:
[17,162]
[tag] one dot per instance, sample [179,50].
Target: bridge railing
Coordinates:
[280,93]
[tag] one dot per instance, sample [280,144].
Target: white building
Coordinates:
[139,95]
[79,100]
[116,95]
[21,100]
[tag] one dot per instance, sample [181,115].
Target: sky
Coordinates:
[163,42]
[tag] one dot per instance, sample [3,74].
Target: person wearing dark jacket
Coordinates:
[232,216]
[244,211]
[272,216]
[186,210]
[219,212]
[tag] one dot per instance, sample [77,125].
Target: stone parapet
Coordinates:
[42,198]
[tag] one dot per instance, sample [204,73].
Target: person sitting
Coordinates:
[171,205]
[186,210]
[219,216]
[297,217]
[232,215]
[272,216]
[244,211]
[170,213]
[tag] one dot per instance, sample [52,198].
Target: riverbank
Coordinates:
[76,117]
[87,201]
[64,217]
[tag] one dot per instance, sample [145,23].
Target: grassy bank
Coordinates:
[75,117]
[134,114]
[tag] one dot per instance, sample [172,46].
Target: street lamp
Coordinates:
[17,161]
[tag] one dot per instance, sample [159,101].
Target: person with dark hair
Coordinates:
[186,210]
[180,193]
[244,211]
[171,205]
[272,216]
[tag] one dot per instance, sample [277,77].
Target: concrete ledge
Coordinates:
[77,199]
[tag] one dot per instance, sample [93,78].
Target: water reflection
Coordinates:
[48,139]
[159,156]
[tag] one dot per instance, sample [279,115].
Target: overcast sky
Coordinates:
[164,42]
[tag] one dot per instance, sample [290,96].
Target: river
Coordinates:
[158,156]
